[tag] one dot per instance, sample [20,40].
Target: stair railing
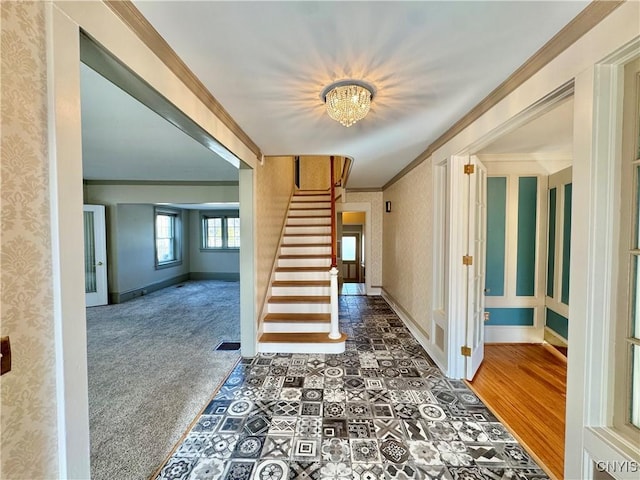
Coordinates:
[335,329]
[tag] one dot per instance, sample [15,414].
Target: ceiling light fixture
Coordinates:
[348,101]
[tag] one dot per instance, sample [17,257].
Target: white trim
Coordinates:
[548,330]
[456,300]
[595,232]
[416,331]
[66,197]
[511,334]
[374,291]
[248,254]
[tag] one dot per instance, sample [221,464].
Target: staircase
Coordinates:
[298,318]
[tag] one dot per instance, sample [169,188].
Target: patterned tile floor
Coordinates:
[381,410]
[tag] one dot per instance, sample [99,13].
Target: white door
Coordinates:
[476,247]
[95,256]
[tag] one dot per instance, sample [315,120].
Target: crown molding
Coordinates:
[593,14]
[141,27]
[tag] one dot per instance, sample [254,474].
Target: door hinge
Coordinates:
[465,351]
[469,168]
[467,260]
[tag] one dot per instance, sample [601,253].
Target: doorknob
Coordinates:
[99,264]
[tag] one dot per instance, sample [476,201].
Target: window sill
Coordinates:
[161,266]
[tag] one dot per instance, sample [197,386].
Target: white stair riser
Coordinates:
[297,327]
[299,308]
[304,262]
[300,291]
[285,347]
[315,213]
[315,198]
[322,230]
[309,221]
[302,275]
[295,205]
[304,250]
[311,239]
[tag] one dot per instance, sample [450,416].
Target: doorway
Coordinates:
[527,281]
[351,261]
[66,178]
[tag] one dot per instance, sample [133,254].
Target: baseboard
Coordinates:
[374,291]
[416,331]
[120,297]
[552,337]
[512,334]
[225,276]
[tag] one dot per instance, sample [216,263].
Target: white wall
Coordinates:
[135,239]
[224,264]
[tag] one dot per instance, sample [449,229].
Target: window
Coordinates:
[167,237]
[220,231]
[627,392]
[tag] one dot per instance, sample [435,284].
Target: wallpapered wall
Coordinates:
[274,184]
[408,244]
[374,262]
[28,441]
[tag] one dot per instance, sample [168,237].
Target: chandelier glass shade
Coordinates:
[348,101]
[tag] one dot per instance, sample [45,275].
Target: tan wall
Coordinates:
[314,173]
[28,441]
[274,185]
[407,244]
[353,218]
[374,259]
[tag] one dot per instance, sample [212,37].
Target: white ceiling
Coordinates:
[124,140]
[430,62]
[549,134]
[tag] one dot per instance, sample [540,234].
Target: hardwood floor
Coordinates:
[525,387]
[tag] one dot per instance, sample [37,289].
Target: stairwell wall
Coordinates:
[274,187]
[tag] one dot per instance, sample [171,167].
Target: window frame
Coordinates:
[177,237]
[224,215]
[629,256]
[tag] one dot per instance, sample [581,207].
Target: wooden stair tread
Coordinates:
[312,337]
[309,216]
[308,224]
[311,208]
[306,244]
[301,283]
[302,269]
[298,317]
[299,299]
[318,255]
[306,235]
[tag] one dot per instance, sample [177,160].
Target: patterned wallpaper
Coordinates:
[315,173]
[28,440]
[408,244]
[274,184]
[374,262]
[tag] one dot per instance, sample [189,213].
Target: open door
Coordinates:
[476,248]
[95,256]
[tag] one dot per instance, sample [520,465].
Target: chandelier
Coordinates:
[348,101]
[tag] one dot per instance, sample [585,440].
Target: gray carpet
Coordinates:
[152,368]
